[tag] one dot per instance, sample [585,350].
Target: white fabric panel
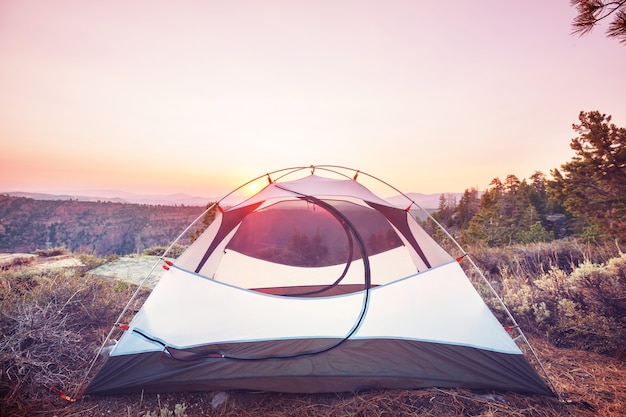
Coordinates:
[435,254]
[417,261]
[316,186]
[186,310]
[131,343]
[191,257]
[235,269]
[438,305]
[214,261]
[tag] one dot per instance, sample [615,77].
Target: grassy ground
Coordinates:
[53,320]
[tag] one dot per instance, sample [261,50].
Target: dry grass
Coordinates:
[52,322]
[530,261]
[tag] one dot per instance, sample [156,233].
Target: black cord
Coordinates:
[348,231]
[348,226]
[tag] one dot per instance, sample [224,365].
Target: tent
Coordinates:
[314,284]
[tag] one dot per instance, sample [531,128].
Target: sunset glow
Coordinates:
[200,97]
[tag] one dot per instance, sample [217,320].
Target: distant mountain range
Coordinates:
[428,202]
[114,196]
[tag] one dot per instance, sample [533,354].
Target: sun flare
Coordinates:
[252,188]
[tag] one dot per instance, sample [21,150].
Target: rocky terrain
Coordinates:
[100,228]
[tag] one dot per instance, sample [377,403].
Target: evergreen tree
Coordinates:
[468,206]
[591,12]
[510,212]
[592,186]
[489,225]
[446,209]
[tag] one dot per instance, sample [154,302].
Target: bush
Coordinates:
[532,260]
[56,251]
[174,252]
[91,261]
[557,290]
[588,306]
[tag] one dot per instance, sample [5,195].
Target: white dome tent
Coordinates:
[315,284]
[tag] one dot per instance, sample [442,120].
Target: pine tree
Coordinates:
[592,186]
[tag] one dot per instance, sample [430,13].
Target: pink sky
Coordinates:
[200,96]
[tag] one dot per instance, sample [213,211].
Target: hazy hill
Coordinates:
[115,196]
[104,228]
[426,201]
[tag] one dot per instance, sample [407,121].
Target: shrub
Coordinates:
[573,293]
[174,252]
[532,260]
[91,261]
[587,306]
[56,251]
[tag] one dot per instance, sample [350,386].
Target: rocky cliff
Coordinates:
[99,227]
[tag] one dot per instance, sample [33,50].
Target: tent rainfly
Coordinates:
[314,285]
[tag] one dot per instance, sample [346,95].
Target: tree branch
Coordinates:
[591,12]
